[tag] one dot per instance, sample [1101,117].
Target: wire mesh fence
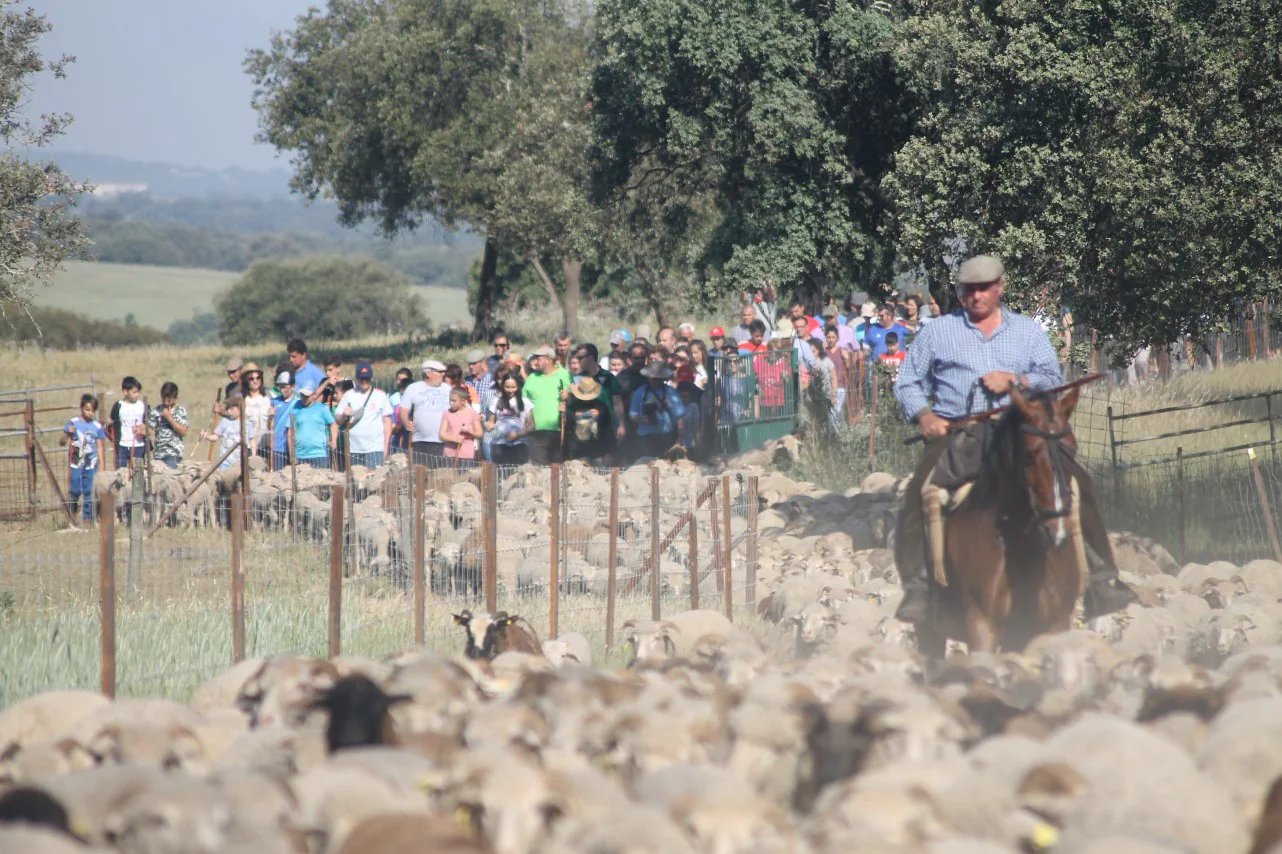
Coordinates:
[165,594]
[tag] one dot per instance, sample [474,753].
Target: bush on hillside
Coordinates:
[201,328]
[56,329]
[317,298]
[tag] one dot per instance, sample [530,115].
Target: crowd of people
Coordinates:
[567,400]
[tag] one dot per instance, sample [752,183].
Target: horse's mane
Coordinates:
[998,462]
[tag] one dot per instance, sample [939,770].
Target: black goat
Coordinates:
[358,713]
[491,634]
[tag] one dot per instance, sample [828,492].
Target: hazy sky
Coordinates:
[160,79]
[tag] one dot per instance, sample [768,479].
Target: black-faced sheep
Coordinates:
[488,635]
[358,713]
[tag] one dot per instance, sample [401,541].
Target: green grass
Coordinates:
[157,296]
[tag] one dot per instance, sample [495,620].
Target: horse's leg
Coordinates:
[980,634]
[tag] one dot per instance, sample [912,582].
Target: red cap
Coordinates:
[685,374]
[717,332]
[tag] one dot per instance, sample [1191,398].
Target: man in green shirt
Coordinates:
[545,389]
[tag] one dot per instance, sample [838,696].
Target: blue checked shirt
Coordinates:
[484,385]
[950,355]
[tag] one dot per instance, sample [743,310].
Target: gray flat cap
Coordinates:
[980,270]
[474,356]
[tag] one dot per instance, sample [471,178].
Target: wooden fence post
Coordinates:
[728,539]
[859,388]
[655,574]
[420,561]
[717,574]
[490,581]
[554,547]
[1264,505]
[336,524]
[751,598]
[107,590]
[244,469]
[1179,505]
[612,573]
[1117,475]
[133,578]
[237,578]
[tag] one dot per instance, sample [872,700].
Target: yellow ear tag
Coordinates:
[463,818]
[1044,836]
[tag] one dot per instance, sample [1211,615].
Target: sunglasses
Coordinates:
[500,345]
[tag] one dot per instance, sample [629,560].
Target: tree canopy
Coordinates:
[37,231]
[329,298]
[1120,158]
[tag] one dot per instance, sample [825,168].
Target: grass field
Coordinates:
[157,296]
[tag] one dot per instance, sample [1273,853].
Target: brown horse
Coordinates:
[1013,559]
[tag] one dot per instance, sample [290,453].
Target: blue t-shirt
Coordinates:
[309,376]
[280,423]
[312,423]
[84,448]
[875,338]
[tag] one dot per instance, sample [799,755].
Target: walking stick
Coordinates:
[213,424]
[993,413]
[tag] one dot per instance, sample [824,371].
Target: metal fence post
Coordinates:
[1264,505]
[612,573]
[1112,447]
[29,424]
[750,599]
[654,543]
[693,560]
[337,518]
[420,560]
[728,539]
[872,421]
[554,547]
[1179,483]
[107,591]
[134,577]
[490,581]
[237,578]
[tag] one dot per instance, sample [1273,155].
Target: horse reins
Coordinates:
[1054,448]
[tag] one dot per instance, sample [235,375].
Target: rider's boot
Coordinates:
[1105,592]
[915,606]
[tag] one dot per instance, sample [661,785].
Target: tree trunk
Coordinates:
[572,269]
[652,297]
[487,295]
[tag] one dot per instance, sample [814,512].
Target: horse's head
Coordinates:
[1045,438]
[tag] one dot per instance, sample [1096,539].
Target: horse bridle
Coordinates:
[1055,449]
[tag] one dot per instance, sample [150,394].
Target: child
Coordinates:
[128,423]
[167,425]
[87,437]
[460,428]
[228,431]
[618,363]
[893,358]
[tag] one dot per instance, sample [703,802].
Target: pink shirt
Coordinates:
[454,422]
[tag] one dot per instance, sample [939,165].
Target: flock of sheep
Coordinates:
[813,727]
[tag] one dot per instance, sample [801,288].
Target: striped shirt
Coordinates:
[950,355]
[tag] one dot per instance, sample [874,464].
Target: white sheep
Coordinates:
[569,649]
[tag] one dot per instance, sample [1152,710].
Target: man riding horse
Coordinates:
[967,361]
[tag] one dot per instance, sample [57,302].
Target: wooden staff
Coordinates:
[213,423]
[993,413]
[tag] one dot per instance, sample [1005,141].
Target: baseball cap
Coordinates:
[868,311]
[285,378]
[364,371]
[432,365]
[545,350]
[307,390]
[716,332]
[831,311]
[235,363]
[474,356]
[620,336]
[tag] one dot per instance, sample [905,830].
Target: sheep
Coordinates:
[282,691]
[815,627]
[571,648]
[1220,634]
[46,716]
[676,636]
[405,833]
[358,713]
[488,635]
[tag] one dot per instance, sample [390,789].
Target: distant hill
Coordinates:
[171,181]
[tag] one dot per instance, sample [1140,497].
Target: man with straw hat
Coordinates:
[657,411]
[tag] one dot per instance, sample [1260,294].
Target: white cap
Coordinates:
[433,365]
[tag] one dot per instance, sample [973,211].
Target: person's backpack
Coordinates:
[587,425]
[113,424]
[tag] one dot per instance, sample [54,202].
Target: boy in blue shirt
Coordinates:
[88,439]
[281,409]
[315,431]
